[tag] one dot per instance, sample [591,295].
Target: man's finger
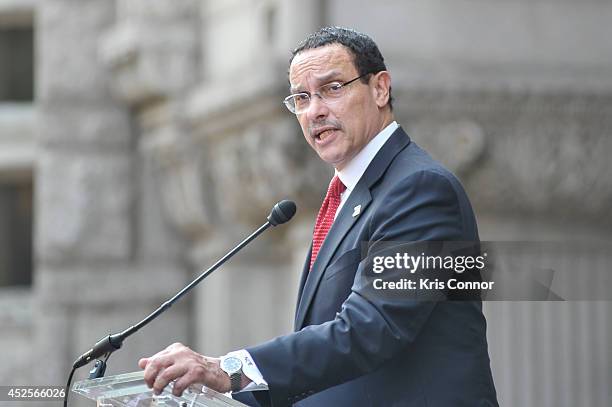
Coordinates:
[195,374]
[166,376]
[154,366]
[142,363]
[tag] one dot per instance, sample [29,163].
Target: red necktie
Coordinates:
[326,215]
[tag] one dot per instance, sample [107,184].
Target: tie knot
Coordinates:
[336,187]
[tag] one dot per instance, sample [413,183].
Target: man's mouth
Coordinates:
[323,133]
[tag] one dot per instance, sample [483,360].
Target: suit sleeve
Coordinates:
[370,329]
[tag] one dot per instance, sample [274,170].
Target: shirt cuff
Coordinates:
[250,370]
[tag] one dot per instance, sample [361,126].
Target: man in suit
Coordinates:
[354,345]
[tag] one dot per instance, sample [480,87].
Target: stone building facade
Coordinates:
[156,139]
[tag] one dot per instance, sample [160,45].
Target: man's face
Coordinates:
[336,131]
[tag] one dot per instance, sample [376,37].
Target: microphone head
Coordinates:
[282,212]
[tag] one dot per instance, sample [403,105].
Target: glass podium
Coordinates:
[130,390]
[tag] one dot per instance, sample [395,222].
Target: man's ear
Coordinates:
[382,84]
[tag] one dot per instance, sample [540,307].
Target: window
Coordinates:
[16,64]
[15,233]
[17,123]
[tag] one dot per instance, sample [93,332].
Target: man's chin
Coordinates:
[331,159]
[338,164]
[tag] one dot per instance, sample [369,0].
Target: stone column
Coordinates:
[83,188]
[104,258]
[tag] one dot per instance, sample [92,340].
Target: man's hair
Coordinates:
[366,55]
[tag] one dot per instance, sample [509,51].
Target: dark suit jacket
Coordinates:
[352,348]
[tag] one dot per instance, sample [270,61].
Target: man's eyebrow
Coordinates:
[294,89]
[323,79]
[328,76]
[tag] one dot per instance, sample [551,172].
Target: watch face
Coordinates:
[231,364]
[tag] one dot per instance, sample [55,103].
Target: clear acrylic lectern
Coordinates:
[130,390]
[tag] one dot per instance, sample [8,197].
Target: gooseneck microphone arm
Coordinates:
[281,213]
[171,301]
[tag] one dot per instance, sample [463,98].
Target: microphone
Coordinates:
[281,213]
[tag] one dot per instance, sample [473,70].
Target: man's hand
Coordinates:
[178,362]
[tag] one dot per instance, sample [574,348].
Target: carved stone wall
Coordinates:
[546,147]
[256,157]
[517,102]
[164,141]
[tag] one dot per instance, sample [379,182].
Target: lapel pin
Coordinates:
[356,210]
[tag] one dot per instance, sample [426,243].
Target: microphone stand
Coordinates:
[281,213]
[110,343]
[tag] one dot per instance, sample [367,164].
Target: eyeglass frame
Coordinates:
[292,108]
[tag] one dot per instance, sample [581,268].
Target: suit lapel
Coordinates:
[302,283]
[344,221]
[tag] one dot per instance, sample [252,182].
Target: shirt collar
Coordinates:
[353,171]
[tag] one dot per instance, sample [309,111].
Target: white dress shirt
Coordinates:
[350,176]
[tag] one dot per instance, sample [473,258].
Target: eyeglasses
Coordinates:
[299,103]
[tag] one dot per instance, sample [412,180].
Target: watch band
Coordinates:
[236,381]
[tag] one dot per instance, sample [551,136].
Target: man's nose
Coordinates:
[317,108]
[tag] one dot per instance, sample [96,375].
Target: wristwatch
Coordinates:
[233,367]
